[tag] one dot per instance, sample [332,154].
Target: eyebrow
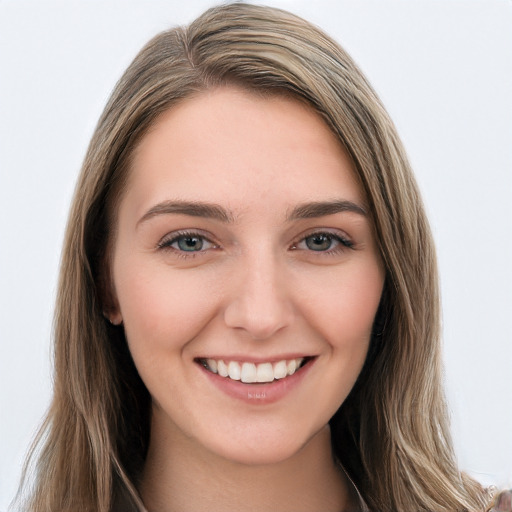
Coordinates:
[192,208]
[214,211]
[322,208]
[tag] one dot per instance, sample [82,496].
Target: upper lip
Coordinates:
[259,359]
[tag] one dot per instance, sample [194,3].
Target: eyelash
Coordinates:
[343,242]
[166,243]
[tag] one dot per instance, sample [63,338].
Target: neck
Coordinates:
[182,477]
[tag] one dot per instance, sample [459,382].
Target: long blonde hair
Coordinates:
[391,434]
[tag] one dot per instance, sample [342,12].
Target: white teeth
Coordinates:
[234,370]
[264,372]
[250,372]
[280,370]
[291,366]
[222,369]
[212,365]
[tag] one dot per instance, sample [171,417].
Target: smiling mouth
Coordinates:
[251,373]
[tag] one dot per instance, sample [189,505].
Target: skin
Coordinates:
[255,290]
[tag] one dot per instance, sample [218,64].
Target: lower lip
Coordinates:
[261,393]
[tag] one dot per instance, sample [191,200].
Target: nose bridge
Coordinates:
[260,303]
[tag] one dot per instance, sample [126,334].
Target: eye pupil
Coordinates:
[190,243]
[319,242]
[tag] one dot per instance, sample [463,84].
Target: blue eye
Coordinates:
[189,243]
[319,242]
[323,242]
[186,243]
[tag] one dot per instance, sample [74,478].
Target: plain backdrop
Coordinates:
[443,70]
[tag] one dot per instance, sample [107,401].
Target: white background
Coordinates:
[442,68]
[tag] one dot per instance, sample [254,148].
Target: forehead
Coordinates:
[228,144]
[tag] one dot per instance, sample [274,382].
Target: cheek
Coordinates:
[343,307]
[344,317]
[162,309]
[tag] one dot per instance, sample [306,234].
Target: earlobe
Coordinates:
[114,317]
[111,311]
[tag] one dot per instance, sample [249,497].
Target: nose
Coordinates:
[260,303]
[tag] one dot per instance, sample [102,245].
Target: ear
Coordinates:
[108,297]
[114,317]
[112,312]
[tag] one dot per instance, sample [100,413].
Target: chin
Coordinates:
[259,457]
[260,451]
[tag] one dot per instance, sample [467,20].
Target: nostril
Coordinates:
[260,303]
[259,323]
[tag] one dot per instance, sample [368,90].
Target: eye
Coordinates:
[189,243]
[323,242]
[319,242]
[186,242]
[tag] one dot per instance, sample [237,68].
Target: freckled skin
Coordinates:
[255,287]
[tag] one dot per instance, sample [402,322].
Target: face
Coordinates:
[245,273]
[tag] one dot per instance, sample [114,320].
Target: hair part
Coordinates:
[391,433]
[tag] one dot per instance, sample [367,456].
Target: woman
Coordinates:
[248,290]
